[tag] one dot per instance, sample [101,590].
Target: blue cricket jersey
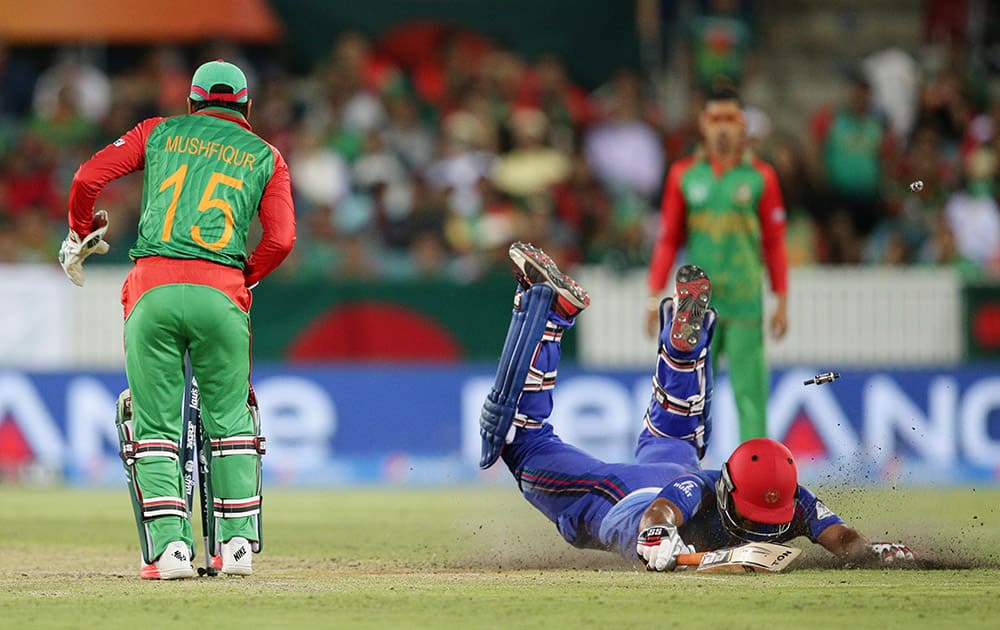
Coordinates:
[694,494]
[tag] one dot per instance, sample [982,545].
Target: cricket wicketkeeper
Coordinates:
[664,505]
[206,175]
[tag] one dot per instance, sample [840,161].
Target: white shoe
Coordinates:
[173,564]
[237,557]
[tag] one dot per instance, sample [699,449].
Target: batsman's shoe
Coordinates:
[237,557]
[173,564]
[533,266]
[691,297]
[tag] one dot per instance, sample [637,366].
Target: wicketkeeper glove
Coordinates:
[889,553]
[658,546]
[74,250]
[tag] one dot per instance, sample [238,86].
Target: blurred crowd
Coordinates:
[912,181]
[422,154]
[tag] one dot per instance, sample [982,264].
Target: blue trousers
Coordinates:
[571,488]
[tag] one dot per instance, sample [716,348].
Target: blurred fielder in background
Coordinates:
[725,206]
[206,176]
[664,505]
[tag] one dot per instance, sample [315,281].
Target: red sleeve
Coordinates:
[771,210]
[277,218]
[820,124]
[887,150]
[123,156]
[673,231]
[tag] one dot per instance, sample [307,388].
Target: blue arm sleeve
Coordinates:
[812,516]
[688,492]
[621,525]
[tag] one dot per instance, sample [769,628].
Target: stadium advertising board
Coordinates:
[418,424]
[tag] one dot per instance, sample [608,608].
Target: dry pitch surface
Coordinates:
[481,558]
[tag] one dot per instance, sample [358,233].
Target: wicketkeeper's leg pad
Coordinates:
[146,506]
[234,465]
[527,325]
[681,403]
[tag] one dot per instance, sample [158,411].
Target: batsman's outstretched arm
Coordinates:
[849,544]
[661,512]
[659,543]
[844,542]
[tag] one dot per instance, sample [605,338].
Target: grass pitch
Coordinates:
[481,558]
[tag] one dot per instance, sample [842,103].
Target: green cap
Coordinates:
[219,72]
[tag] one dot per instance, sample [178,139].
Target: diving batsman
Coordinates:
[665,504]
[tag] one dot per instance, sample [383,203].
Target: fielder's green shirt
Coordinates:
[732,223]
[851,154]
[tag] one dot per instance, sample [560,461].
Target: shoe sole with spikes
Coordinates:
[534,266]
[691,297]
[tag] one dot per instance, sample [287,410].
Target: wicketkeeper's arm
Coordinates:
[76,248]
[277,218]
[123,156]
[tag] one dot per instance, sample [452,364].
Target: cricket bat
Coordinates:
[751,558]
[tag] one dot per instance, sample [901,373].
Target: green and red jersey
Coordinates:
[854,147]
[206,175]
[732,223]
[719,45]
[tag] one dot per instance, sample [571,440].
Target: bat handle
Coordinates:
[690,559]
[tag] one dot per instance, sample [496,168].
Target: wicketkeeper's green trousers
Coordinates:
[167,322]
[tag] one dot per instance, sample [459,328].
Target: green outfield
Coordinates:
[400,558]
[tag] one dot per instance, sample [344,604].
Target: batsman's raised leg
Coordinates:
[678,420]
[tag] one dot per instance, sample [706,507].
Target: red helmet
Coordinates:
[760,481]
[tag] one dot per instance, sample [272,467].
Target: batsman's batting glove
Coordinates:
[658,546]
[74,250]
[890,553]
